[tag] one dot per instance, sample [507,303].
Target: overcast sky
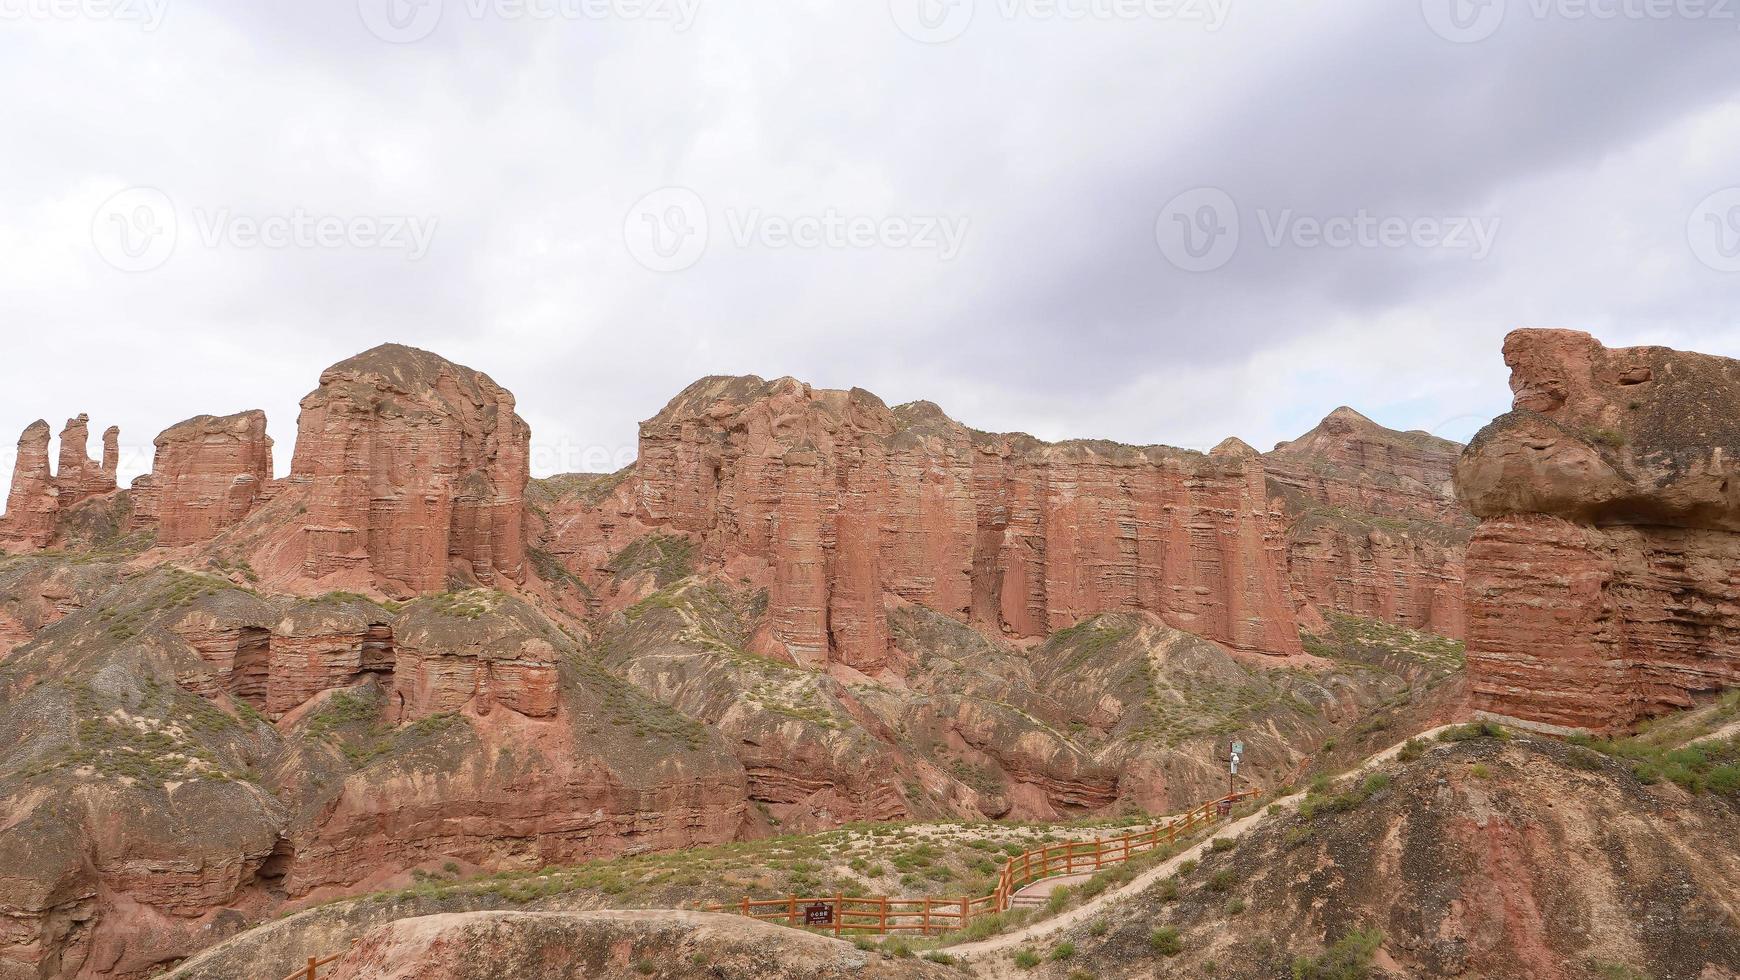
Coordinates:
[1147,220]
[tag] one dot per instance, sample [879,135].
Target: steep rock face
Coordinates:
[446,659]
[78,475]
[1602,587]
[206,476]
[416,470]
[839,506]
[38,497]
[31,503]
[1374,529]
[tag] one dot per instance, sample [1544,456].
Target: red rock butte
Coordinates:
[414,465]
[1601,580]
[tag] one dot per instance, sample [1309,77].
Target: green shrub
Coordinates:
[1026,959]
[1062,951]
[1349,959]
[1099,928]
[1235,906]
[1479,729]
[1167,890]
[1222,880]
[1222,844]
[1481,771]
[1165,941]
[1412,749]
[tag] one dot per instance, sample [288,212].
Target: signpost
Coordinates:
[818,914]
[1232,766]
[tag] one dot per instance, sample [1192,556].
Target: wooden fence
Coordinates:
[883,916]
[312,970]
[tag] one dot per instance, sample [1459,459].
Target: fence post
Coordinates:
[839,912]
[883,919]
[965,913]
[926,929]
[746,905]
[791,910]
[313,965]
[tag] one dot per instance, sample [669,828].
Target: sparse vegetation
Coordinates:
[1350,958]
[1166,941]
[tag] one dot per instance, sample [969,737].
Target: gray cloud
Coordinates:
[1058,142]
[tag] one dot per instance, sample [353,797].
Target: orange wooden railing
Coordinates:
[312,970]
[934,916]
[885,916]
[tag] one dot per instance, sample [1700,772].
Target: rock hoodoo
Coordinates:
[37,496]
[1374,528]
[1601,581]
[416,469]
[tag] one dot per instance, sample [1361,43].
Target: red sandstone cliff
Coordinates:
[1601,581]
[206,476]
[416,469]
[1374,528]
[839,506]
[38,497]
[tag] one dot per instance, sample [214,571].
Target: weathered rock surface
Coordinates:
[840,506]
[31,503]
[1522,858]
[144,813]
[1601,582]
[1374,528]
[207,474]
[416,470]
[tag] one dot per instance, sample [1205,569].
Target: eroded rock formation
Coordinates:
[1375,530]
[1602,585]
[416,469]
[206,476]
[840,505]
[38,497]
[31,504]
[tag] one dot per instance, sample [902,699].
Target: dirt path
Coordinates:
[984,956]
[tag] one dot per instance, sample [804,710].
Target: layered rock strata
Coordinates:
[38,496]
[1374,528]
[416,470]
[206,476]
[839,506]
[1602,584]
